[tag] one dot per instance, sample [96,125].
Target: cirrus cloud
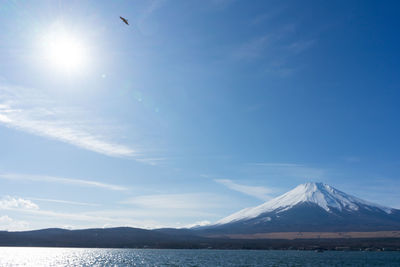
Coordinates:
[29,110]
[259,192]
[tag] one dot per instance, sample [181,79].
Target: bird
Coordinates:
[124,20]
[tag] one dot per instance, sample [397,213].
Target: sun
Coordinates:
[64,50]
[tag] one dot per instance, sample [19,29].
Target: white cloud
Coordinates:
[8,203]
[9,224]
[34,112]
[74,217]
[93,219]
[259,192]
[5,220]
[61,180]
[155,211]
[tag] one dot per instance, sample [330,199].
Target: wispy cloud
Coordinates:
[277,164]
[64,201]
[34,112]
[9,202]
[177,207]
[75,217]
[157,214]
[300,46]
[154,211]
[176,201]
[253,48]
[276,48]
[144,24]
[259,192]
[151,161]
[115,217]
[23,206]
[61,180]
[269,44]
[272,13]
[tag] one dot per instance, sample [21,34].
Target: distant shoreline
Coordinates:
[314,235]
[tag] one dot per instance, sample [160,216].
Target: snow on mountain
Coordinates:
[320,194]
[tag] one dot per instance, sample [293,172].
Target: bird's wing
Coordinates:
[124,20]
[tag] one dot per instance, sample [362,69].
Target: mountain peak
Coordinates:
[323,195]
[313,186]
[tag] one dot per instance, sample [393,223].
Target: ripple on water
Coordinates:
[16,256]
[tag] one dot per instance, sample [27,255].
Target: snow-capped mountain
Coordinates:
[323,195]
[311,207]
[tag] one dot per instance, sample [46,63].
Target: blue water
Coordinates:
[149,257]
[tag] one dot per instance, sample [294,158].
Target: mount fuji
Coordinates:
[309,216]
[310,207]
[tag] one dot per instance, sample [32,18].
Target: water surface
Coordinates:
[15,256]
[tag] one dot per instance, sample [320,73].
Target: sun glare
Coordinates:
[65,51]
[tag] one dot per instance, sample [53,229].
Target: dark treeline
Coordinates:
[125,237]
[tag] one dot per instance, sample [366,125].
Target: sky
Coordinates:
[195,110]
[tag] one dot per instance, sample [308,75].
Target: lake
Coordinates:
[18,256]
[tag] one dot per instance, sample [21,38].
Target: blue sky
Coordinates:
[195,110]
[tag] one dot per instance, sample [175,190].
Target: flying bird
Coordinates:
[124,20]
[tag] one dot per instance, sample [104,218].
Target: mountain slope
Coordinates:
[310,207]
